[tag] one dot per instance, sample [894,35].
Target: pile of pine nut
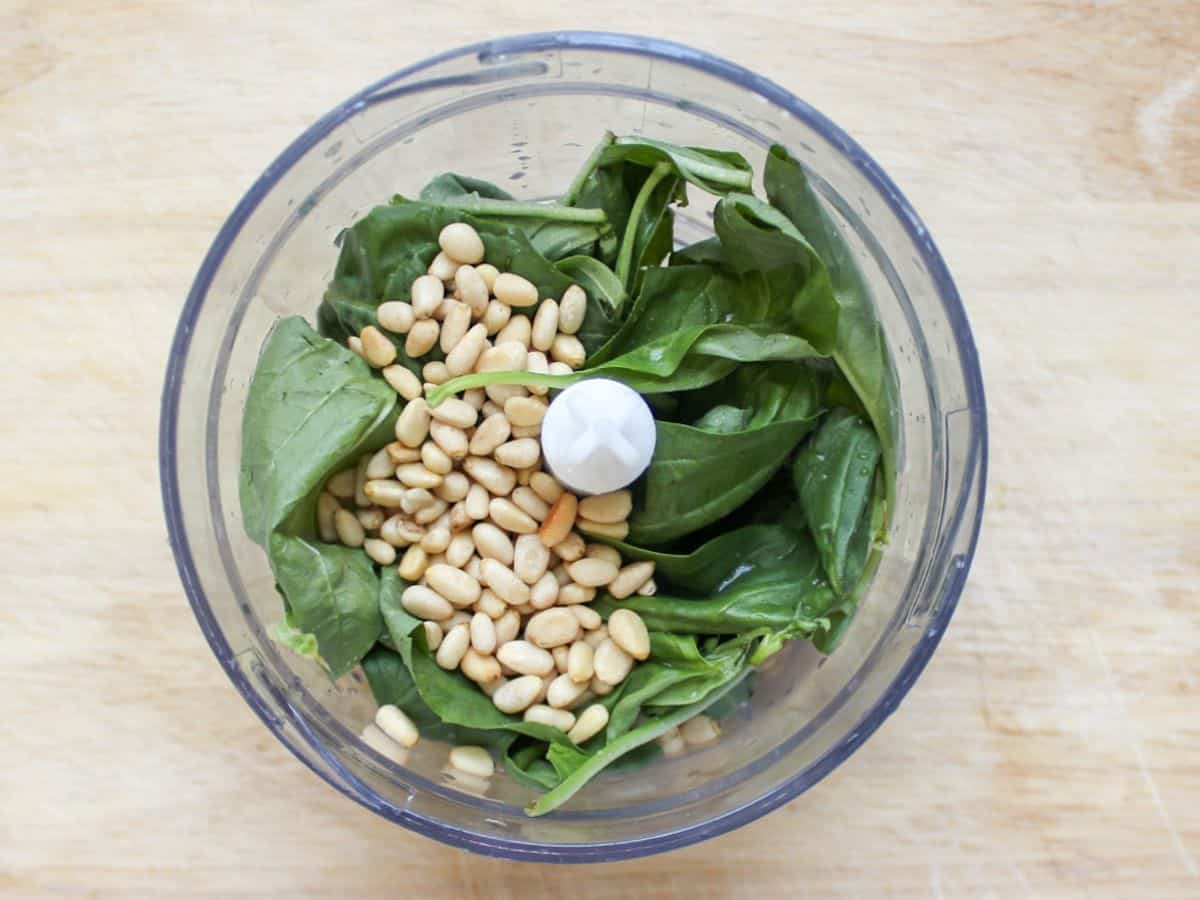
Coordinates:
[494,547]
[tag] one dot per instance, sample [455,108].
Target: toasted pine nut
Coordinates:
[508,626]
[629,632]
[508,516]
[370,519]
[617,532]
[348,529]
[396,316]
[544,593]
[699,730]
[563,691]
[354,342]
[496,316]
[433,635]
[531,557]
[412,426]
[604,552]
[570,548]
[393,722]
[589,724]
[529,502]
[378,350]
[611,663]
[462,244]
[552,628]
[588,618]
[434,373]
[385,492]
[565,349]
[560,520]
[413,564]
[465,354]
[518,454]
[483,635]
[579,660]
[548,715]
[454,485]
[327,508]
[421,338]
[570,594]
[525,658]
[498,479]
[341,485]
[491,605]
[572,309]
[546,486]
[480,667]
[476,502]
[501,579]
[380,551]
[597,637]
[607,509]
[592,572]
[443,267]
[472,290]
[491,433]
[630,579]
[374,738]
[459,550]
[426,294]
[525,411]
[492,543]
[454,326]
[455,412]
[545,325]
[399,454]
[513,290]
[417,476]
[360,481]
[455,585]
[454,646]
[520,693]
[425,603]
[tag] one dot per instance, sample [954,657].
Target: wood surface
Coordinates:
[1052,747]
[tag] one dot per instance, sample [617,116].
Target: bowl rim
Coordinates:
[921,238]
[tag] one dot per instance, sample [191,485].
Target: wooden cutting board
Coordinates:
[1051,749]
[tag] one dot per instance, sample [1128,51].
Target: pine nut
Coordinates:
[327,508]
[452,440]
[415,499]
[699,730]
[472,760]
[380,551]
[385,492]
[400,454]
[570,548]
[360,481]
[508,626]
[517,331]
[400,531]
[460,519]
[563,691]
[552,628]
[546,486]
[525,411]
[380,465]
[600,688]
[403,381]
[572,309]
[491,605]
[508,516]
[607,509]
[545,325]
[480,667]
[502,358]
[454,485]
[518,454]
[588,618]
[537,363]
[523,476]
[513,290]
[589,724]
[472,569]
[570,594]
[611,663]
[425,603]
[354,342]
[526,431]
[348,529]
[491,433]
[579,661]
[459,588]
[395,316]
[560,658]
[378,350]
[459,550]
[544,594]
[454,646]
[412,426]
[531,557]
[520,693]
[425,295]
[561,575]
[496,316]
[629,632]
[421,338]
[476,501]
[467,784]
[501,579]
[454,326]
[434,373]
[566,349]
[454,412]
[595,638]
[415,475]
[444,308]
[630,578]
[475,397]
[492,543]
[559,521]
[549,716]
[443,267]
[560,368]
[436,540]
[498,479]
[393,722]
[459,617]
[434,458]
[341,485]
[489,408]
[672,744]
[604,552]
[465,354]
[488,273]
[413,564]
[649,589]
[525,658]
[617,532]
[374,738]
[433,635]
[501,393]
[525,609]
[472,289]
[529,502]
[462,244]
[592,572]
[370,519]
[483,636]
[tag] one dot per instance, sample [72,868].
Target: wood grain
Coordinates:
[1049,750]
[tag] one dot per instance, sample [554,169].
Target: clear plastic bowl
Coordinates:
[524,112]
